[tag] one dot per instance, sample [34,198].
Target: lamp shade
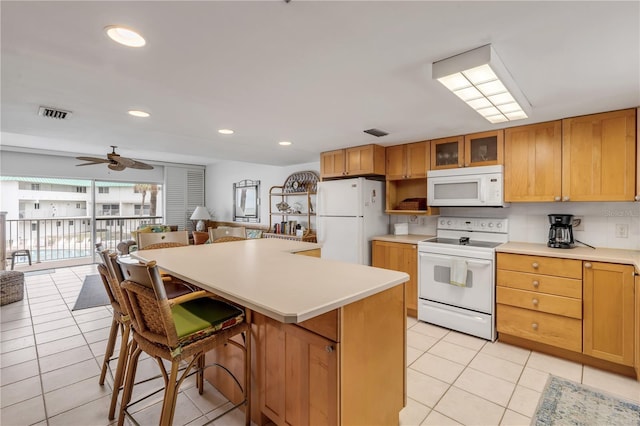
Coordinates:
[200,213]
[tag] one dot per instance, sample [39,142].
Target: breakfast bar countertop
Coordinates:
[264,275]
[406,239]
[609,255]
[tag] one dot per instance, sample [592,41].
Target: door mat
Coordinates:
[91,294]
[564,402]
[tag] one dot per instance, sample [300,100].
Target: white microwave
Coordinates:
[466,187]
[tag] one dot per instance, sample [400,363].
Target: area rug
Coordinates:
[92,294]
[564,402]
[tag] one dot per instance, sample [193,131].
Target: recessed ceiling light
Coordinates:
[225,131]
[125,36]
[137,113]
[284,143]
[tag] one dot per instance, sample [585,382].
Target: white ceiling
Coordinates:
[315,73]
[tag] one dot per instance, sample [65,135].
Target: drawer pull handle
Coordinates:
[536,283]
[535,265]
[534,325]
[556,198]
[587,265]
[535,302]
[329,348]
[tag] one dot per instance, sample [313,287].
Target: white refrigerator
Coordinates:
[349,213]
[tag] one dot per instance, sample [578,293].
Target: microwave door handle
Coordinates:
[481,189]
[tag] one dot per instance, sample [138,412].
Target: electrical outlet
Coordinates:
[578,223]
[622,230]
[423,221]
[413,219]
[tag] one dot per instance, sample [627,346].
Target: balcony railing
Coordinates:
[70,237]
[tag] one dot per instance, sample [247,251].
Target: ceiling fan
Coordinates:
[115,161]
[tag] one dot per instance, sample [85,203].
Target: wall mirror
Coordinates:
[246,201]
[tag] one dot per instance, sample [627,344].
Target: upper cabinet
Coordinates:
[599,156]
[533,162]
[408,161]
[478,149]
[350,162]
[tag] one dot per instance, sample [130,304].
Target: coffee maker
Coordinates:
[561,231]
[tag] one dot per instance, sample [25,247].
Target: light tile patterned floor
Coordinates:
[50,360]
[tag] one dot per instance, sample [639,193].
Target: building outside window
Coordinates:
[81,189]
[103,190]
[36,206]
[35,187]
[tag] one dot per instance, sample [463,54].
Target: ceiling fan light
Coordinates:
[125,36]
[225,131]
[284,143]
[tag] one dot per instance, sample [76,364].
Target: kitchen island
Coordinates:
[329,336]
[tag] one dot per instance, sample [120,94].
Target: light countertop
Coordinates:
[263,275]
[406,239]
[628,257]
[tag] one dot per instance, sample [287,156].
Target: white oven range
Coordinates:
[456,274]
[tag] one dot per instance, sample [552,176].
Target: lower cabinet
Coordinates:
[586,308]
[401,257]
[346,367]
[609,312]
[299,377]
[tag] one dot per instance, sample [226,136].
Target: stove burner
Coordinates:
[463,241]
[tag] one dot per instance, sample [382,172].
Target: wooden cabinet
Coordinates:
[477,149]
[637,333]
[408,161]
[540,299]
[401,257]
[533,163]
[609,305]
[332,164]
[299,374]
[344,367]
[366,160]
[599,156]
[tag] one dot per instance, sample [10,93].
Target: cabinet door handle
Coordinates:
[557,198]
[534,325]
[534,302]
[328,348]
[637,197]
[565,199]
[587,265]
[535,265]
[536,283]
[466,164]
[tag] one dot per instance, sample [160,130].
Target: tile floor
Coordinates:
[50,360]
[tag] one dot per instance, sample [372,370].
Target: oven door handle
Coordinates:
[448,259]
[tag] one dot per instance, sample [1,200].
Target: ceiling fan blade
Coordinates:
[95,160]
[123,161]
[140,165]
[117,167]
[87,164]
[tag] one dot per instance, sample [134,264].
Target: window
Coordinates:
[110,209]
[103,190]
[58,223]
[70,223]
[34,226]
[137,209]
[78,206]
[81,189]
[36,206]
[35,187]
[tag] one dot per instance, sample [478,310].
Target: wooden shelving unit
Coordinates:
[299,187]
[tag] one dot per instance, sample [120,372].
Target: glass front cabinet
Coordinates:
[478,149]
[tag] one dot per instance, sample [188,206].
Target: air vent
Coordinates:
[376,132]
[54,113]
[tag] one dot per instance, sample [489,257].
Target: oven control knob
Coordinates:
[448,222]
[490,224]
[498,225]
[482,225]
[442,222]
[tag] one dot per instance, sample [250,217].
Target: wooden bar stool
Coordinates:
[182,329]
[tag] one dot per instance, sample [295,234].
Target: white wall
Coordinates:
[220,177]
[528,222]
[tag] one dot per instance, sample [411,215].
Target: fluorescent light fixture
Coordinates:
[225,131]
[125,36]
[284,143]
[480,79]
[138,113]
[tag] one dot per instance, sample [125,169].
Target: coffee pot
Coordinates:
[561,231]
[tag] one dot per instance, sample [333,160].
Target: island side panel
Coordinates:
[373,359]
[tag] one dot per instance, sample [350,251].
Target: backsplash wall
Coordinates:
[528,222]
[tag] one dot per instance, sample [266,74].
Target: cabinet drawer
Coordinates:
[541,302]
[541,327]
[326,325]
[560,286]
[569,268]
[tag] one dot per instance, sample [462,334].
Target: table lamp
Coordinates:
[200,214]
